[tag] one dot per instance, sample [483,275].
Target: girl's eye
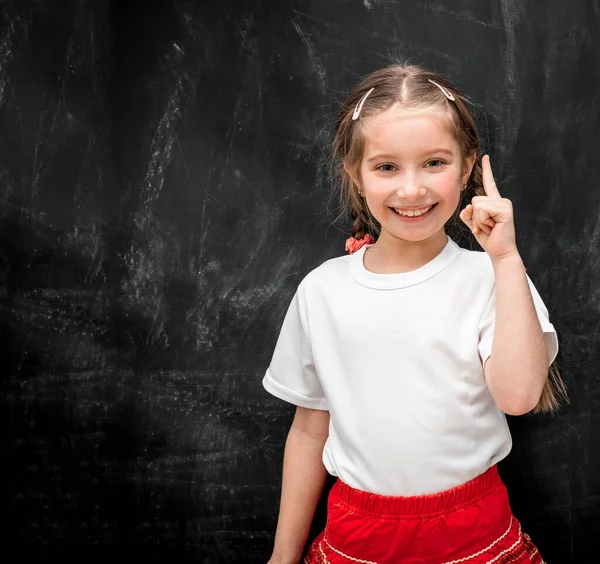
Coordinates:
[436,161]
[386,168]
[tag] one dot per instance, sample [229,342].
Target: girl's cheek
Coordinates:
[381,186]
[447,181]
[372,180]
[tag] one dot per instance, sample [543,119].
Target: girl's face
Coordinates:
[411,162]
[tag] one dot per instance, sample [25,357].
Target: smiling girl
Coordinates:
[404,356]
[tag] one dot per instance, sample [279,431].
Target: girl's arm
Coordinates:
[303,480]
[517,369]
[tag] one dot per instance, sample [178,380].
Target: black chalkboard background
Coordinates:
[161,198]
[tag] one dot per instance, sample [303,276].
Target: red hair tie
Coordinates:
[353,245]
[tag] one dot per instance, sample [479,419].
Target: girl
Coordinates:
[404,356]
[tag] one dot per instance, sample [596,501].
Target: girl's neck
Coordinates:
[390,255]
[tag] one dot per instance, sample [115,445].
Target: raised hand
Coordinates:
[491,219]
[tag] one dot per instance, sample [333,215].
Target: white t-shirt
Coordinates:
[397,359]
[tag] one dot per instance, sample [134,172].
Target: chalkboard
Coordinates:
[162,195]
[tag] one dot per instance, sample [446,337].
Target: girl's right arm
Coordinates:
[303,480]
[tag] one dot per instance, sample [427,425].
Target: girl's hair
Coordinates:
[410,87]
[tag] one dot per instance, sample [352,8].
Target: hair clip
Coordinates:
[360,104]
[444,90]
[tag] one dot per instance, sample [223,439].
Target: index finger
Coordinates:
[489,184]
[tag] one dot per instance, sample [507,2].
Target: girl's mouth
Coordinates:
[416,218]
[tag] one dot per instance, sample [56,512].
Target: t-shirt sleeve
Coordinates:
[291,375]
[487,324]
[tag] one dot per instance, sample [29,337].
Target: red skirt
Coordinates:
[469,524]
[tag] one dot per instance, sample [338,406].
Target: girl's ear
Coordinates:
[469,164]
[351,173]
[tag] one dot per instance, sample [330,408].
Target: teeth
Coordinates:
[413,213]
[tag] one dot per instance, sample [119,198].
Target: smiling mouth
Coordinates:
[414,216]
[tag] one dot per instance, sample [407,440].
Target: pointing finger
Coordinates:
[489,184]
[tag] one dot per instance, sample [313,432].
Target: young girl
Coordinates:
[404,356]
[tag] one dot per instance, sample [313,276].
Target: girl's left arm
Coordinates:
[517,369]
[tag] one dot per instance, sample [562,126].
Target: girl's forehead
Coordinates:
[400,127]
[399,116]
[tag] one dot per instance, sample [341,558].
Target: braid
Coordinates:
[475,182]
[359,228]
[474,188]
[363,221]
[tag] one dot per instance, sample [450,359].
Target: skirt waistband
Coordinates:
[420,505]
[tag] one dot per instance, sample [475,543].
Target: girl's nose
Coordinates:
[410,187]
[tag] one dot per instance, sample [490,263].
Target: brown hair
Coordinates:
[409,86]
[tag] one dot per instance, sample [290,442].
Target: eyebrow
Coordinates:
[387,156]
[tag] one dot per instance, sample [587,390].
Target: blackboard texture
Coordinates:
[161,198]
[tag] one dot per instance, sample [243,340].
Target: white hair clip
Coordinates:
[444,90]
[360,104]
